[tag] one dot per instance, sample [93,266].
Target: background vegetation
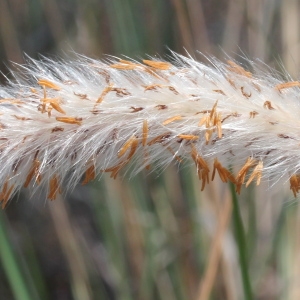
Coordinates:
[155,236]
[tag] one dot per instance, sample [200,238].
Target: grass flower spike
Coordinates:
[65,122]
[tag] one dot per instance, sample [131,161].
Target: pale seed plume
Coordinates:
[65,122]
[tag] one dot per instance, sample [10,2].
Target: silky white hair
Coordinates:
[60,120]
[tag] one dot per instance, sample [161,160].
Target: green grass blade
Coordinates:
[10,265]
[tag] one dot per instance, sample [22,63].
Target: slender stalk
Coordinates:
[241,244]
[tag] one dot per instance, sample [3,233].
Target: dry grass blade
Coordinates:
[208,280]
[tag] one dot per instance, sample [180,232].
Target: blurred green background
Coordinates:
[153,236]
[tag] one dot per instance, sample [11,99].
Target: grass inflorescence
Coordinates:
[64,121]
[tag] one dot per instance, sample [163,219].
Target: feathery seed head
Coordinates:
[64,121]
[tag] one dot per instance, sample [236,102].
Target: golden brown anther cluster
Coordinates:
[212,122]
[295,184]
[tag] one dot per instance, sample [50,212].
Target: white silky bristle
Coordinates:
[61,120]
